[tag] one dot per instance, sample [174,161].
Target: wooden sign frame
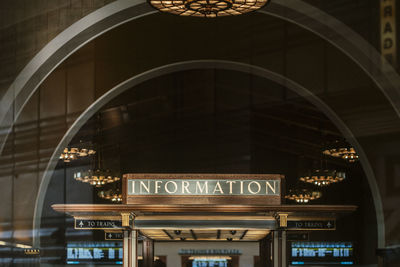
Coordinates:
[202,199]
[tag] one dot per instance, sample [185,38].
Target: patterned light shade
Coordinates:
[341,149]
[303,195]
[110,194]
[73,153]
[323,177]
[96,178]
[208,8]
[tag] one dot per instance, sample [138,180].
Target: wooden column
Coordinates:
[266,251]
[133,262]
[283,249]
[130,248]
[276,249]
[279,258]
[148,252]
[125,258]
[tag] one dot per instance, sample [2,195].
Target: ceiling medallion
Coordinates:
[323,177]
[341,149]
[114,196]
[208,8]
[96,178]
[303,195]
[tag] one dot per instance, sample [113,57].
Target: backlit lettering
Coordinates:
[218,188]
[185,185]
[268,185]
[230,186]
[175,187]
[199,189]
[143,185]
[157,186]
[251,190]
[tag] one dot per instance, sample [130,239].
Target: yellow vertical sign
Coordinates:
[388,31]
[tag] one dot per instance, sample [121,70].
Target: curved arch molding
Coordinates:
[203,64]
[122,11]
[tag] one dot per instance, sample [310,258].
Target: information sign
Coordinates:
[113,235]
[312,225]
[97,224]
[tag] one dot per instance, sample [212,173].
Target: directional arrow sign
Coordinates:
[312,225]
[97,224]
[304,236]
[113,236]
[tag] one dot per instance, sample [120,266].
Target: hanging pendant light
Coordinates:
[73,153]
[97,176]
[111,194]
[303,196]
[207,8]
[323,177]
[341,149]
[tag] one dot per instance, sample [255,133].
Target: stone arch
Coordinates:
[206,64]
[119,12]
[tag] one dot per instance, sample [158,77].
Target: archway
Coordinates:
[204,64]
[75,37]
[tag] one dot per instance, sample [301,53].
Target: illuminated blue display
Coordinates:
[94,252]
[322,252]
[210,263]
[330,263]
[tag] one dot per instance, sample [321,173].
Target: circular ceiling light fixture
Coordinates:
[341,149]
[303,195]
[208,8]
[73,153]
[97,177]
[110,194]
[323,177]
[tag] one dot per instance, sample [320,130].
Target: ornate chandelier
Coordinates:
[323,177]
[208,8]
[73,153]
[97,177]
[110,194]
[340,149]
[303,195]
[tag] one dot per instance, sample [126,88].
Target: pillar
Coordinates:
[266,251]
[148,252]
[283,248]
[276,249]
[279,248]
[130,248]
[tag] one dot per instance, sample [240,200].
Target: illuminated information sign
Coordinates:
[192,187]
[94,252]
[329,253]
[113,236]
[311,225]
[97,224]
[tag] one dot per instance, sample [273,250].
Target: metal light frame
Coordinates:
[207,8]
[73,153]
[341,149]
[111,194]
[323,177]
[97,177]
[303,196]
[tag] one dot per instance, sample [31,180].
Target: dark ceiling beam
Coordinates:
[243,235]
[193,234]
[168,234]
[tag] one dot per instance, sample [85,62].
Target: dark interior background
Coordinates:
[214,121]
